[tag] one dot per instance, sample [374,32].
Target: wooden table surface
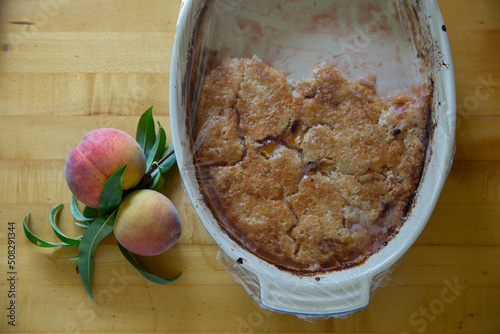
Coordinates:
[70,66]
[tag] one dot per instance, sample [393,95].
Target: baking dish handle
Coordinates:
[311,296]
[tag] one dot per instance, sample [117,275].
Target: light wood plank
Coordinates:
[477,139]
[82,94]
[472,182]
[168,307]
[40,138]
[480,15]
[106,16]
[449,221]
[87,52]
[478,94]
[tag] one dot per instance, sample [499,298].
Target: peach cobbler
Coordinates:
[315,175]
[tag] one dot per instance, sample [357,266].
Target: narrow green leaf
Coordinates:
[158,182]
[82,225]
[163,143]
[60,235]
[97,231]
[144,272]
[112,192]
[158,148]
[90,212]
[36,240]
[73,258]
[145,133]
[170,148]
[165,166]
[76,213]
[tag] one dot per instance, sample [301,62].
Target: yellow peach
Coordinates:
[147,223]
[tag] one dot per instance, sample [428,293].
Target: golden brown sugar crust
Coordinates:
[216,125]
[310,176]
[264,101]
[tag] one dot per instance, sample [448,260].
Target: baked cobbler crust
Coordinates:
[311,176]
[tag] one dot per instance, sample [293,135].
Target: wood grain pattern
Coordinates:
[67,67]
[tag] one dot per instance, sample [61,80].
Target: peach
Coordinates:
[100,153]
[147,223]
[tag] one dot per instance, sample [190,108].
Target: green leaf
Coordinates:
[165,165]
[97,231]
[76,213]
[158,182]
[145,133]
[36,240]
[90,212]
[158,148]
[144,272]
[60,235]
[82,225]
[73,258]
[112,192]
[163,143]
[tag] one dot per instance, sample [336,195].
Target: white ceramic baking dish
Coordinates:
[404,43]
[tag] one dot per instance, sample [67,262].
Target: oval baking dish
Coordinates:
[402,44]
